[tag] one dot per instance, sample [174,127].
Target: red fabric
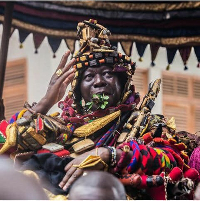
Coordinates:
[185,157]
[146,159]
[156,161]
[120,165]
[133,165]
[172,141]
[157,193]
[61,153]
[175,174]
[180,146]
[3,126]
[133,180]
[178,159]
[77,118]
[144,181]
[147,137]
[161,141]
[192,173]
[39,124]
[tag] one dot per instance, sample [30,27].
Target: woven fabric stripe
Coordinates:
[146,159]
[13,118]
[105,136]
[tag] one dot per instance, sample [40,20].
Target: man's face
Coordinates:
[101,80]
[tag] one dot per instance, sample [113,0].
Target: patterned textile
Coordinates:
[141,22]
[194,161]
[154,159]
[105,136]
[13,118]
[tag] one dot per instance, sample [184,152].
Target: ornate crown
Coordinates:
[96,50]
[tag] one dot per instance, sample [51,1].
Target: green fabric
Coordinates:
[2,138]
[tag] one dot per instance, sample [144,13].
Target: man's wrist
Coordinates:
[42,106]
[104,154]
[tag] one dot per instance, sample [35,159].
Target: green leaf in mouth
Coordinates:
[99,99]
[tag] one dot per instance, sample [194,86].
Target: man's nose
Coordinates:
[99,81]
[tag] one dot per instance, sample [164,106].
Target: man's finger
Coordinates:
[63,60]
[67,75]
[73,178]
[68,174]
[69,79]
[69,65]
[68,166]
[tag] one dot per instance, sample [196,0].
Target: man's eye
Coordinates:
[89,76]
[108,74]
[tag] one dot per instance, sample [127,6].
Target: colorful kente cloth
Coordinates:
[154,159]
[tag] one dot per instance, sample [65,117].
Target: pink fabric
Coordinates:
[194,161]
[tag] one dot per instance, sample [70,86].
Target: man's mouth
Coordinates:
[103,93]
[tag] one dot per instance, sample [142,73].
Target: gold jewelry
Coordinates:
[83,145]
[11,137]
[95,125]
[59,72]
[171,123]
[91,161]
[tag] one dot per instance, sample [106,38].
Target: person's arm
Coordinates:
[56,88]
[72,172]
[55,92]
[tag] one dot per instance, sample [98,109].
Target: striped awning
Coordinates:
[174,25]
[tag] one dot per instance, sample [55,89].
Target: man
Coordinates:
[100,124]
[97,185]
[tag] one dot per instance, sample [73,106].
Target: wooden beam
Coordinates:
[4,50]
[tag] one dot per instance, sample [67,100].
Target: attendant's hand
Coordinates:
[57,86]
[72,173]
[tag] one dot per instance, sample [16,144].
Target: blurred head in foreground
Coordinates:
[15,185]
[97,185]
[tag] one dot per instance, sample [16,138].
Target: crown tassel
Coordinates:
[153,64]
[21,45]
[140,59]
[168,67]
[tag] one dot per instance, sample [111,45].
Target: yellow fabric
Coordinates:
[51,196]
[11,137]
[21,113]
[91,161]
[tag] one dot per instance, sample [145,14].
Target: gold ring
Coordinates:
[59,72]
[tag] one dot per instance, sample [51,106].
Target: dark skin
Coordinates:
[95,80]
[101,80]
[57,86]
[97,188]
